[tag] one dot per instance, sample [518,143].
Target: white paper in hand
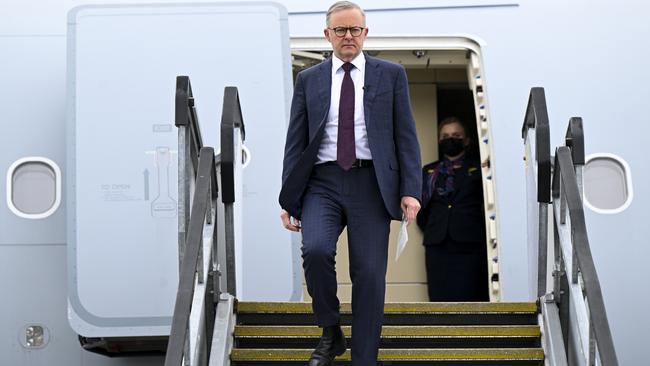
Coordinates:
[402,238]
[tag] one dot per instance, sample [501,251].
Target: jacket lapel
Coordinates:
[325,81]
[371,84]
[325,92]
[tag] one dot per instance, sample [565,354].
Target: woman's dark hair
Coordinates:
[450,120]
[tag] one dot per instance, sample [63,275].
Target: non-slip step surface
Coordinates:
[397,308]
[471,313]
[421,356]
[451,334]
[394,331]
[395,336]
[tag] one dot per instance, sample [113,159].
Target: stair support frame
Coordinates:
[552,340]
[224,325]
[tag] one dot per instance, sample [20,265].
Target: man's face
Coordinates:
[453,130]
[346,47]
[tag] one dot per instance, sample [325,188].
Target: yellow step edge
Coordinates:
[397,308]
[478,354]
[483,331]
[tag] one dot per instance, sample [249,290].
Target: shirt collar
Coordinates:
[359,62]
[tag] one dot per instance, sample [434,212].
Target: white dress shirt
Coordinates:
[327,151]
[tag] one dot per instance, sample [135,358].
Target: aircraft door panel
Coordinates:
[122,181]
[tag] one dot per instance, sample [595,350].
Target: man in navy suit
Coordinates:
[352,159]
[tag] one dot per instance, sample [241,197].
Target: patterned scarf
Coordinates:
[444,186]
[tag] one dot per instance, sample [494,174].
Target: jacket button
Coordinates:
[449,206]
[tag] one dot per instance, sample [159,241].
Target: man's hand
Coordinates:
[286,221]
[410,208]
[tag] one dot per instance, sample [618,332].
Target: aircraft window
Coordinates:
[33,187]
[607,183]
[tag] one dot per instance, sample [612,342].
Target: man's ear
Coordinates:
[467,141]
[326,32]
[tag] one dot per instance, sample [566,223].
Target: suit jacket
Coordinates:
[389,123]
[459,215]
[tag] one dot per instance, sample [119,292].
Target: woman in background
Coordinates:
[452,219]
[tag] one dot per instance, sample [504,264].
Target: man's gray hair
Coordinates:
[343,5]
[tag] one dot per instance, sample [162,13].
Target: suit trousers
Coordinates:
[334,199]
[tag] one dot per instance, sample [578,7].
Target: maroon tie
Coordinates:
[345,150]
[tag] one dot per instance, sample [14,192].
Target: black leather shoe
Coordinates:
[331,344]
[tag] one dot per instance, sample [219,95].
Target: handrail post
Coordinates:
[208,218]
[231,283]
[591,360]
[574,262]
[576,141]
[214,263]
[199,263]
[184,172]
[536,118]
[561,288]
[231,120]
[562,205]
[182,122]
[542,257]
[557,265]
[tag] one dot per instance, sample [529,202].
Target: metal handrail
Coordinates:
[577,294]
[231,118]
[536,118]
[575,139]
[566,190]
[231,121]
[190,143]
[185,116]
[205,196]
[198,170]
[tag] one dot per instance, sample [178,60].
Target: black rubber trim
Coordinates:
[185,115]
[125,346]
[575,139]
[537,118]
[231,118]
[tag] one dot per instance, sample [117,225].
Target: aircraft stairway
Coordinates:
[566,324]
[270,333]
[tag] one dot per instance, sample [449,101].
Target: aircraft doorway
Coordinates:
[445,79]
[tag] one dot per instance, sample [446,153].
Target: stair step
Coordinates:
[495,356]
[417,313]
[395,336]
[244,307]
[394,331]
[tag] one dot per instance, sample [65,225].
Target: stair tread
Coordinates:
[249,307]
[389,331]
[420,354]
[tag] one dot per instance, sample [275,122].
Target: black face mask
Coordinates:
[452,146]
